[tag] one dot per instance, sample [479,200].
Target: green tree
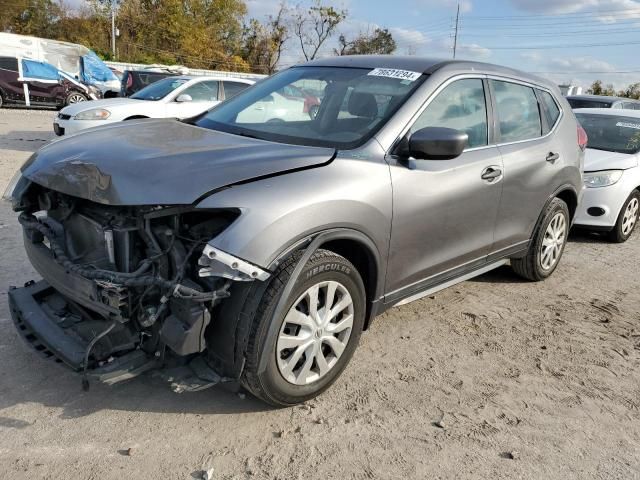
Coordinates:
[632,91]
[379,42]
[30,17]
[597,89]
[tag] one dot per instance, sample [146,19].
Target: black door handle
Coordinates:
[491,173]
[552,157]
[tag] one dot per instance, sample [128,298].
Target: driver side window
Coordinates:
[203,91]
[461,106]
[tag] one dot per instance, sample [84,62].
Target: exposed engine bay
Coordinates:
[123,286]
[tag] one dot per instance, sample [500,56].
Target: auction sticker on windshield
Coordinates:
[394,73]
[628,125]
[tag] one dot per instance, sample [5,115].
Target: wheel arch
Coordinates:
[569,196]
[356,247]
[135,117]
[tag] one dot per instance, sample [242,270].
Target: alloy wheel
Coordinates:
[76,98]
[630,216]
[315,333]
[553,242]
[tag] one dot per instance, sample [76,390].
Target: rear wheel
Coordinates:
[1,100]
[75,97]
[627,219]
[547,244]
[316,336]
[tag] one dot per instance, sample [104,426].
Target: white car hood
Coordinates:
[596,160]
[108,103]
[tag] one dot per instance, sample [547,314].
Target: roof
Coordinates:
[601,98]
[612,112]
[202,78]
[426,65]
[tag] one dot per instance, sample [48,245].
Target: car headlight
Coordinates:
[93,114]
[601,179]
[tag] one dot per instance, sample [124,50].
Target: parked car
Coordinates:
[259,251]
[311,102]
[75,61]
[133,81]
[29,82]
[173,97]
[600,101]
[612,175]
[276,108]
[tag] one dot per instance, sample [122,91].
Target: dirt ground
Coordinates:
[495,378]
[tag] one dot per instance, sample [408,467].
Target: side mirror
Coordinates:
[184,97]
[435,143]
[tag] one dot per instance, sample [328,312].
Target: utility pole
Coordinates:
[455,35]
[113,28]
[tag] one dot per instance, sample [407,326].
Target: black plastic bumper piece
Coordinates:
[40,328]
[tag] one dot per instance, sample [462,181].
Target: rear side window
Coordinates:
[518,112]
[9,63]
[231,89]
[460,106]
[551,109]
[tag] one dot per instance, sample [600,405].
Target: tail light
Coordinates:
[582,138]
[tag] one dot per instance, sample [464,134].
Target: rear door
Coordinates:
[444,212]
[231,89]
[12,88]
[532,156]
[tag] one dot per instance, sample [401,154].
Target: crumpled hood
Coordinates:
[160,162]
[596,160]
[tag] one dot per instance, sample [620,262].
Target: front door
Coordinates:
[43,81]
[444,212]
[204,95]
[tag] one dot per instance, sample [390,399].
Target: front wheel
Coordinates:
[316,336]
[627,219]
[75,97]
[547,244]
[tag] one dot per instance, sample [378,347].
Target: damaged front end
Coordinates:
[124,289]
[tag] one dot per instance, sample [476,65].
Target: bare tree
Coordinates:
[263,43]
[313,26]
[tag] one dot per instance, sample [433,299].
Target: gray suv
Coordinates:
[256,242]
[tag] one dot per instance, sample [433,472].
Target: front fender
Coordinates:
[279,212]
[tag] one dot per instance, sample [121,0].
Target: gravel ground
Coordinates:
[494,378]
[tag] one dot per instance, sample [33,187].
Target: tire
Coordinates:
[74,97]
[546,248]
[313,111]
[1,100]
[627,219]
[284,382]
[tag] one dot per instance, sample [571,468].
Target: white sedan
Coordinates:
[611,202]
[172,97]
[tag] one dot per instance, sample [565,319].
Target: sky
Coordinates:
[568,41]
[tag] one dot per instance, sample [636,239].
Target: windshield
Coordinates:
[583,103]
[351,105]
[611,133]
[159,89]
